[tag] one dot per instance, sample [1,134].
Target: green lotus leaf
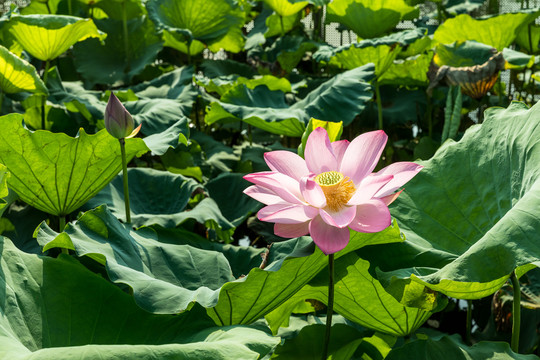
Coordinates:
[382,51]
[498,31]
[108,63]
[358,297]
[174,41]
[177,134]
[261,291]
[469,216]
[285,7]
[114,8]
[56,173]
[528,38]
[409,72]
[370,19]
[207,21]
[518,60]
[232,202]
[149,261]
[57,309]
[157,197]
[18,75]
[46,37]
[268,24]
[221,85]
[463,53]
[339,99]
[344,342]
[451,347]
[289,50]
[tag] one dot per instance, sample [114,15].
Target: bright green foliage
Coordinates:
[452,113]
[498,31]
[189,20]
[72,313]
[358,297]
[46,37]
[370,19]
[245,300]
[471,210]
[18,75]
[381,51]
[409,72]
[57,173]
[285,7]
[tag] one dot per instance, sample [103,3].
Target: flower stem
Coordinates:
[125,176]
[379,105]
[44,98]
[330,308]
[282,27]
[516,313]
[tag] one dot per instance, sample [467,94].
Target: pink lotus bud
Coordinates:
[118,120]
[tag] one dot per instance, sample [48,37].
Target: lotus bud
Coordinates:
[118,120]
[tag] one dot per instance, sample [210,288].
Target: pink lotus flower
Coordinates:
[330,191]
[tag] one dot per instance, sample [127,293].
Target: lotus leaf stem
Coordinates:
[330,308]
[379,105]
[44,98]
[516,313]
[125,176]
[282,27]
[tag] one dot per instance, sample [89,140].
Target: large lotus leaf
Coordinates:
[499,31]
[215,68]
[156,197]
[115,8]
[4,192]
[177,134]
[285,7]
[291,265]
[222,84]
[109,63]
[370,19]
[409,72]
[380,51]
[206,21]
[46,37]
[18,75]
[267,24]
[57,309]
[463,53]
[470,216]
[339,99]
[163,101]
[56,173]
[358,297]
[289,50]
[452,348]
[152,271]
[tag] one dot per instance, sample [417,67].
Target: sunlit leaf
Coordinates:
[46,37]
[370,19]
[498,31]
[286,7]
[358,297]
[18,75]
[56,173]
